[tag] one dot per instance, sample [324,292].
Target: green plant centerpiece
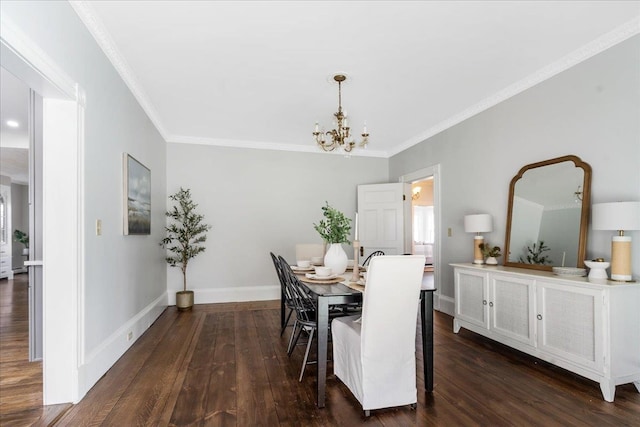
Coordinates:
[535,254]
[490,253]
[334,229]
[185,234]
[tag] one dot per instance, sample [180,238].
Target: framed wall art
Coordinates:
[137,197]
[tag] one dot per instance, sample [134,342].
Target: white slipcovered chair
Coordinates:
[374,356]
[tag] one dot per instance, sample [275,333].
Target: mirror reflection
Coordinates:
[548,204]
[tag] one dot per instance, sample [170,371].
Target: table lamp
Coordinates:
[479,223]
[618,216]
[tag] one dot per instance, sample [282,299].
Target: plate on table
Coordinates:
[312,278]
[301,269]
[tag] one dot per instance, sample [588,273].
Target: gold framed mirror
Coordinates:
[548,214]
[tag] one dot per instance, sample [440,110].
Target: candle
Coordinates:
[317,128]
[356,235]
[563,254]
[364,130]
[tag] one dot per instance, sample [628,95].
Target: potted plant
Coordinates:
[491,253]
[185,233]
[23,238]
[534,254]
[334,230]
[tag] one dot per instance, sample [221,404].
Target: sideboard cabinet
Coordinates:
[590,328]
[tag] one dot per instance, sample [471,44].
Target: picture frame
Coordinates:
[137,197]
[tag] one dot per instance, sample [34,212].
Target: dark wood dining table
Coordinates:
[327,295]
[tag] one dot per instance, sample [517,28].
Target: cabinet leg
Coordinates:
[608,388]
[637,384]
[456,326]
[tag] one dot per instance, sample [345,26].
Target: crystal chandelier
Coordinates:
[341,136]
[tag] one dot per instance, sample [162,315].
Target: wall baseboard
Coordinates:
[98,362]
[446,305]
[237,294]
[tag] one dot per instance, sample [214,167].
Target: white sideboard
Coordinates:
[587,327]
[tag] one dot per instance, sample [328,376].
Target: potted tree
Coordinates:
[23,238]
[334,230]
[185,233]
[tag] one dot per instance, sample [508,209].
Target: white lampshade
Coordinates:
[480,223]
[616,216]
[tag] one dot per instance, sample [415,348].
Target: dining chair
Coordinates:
[371,255]
[284,292]
[374,355]
[305,309]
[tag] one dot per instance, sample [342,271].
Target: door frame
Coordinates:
[419,175]
[62,236]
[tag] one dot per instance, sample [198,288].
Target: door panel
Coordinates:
[382,208]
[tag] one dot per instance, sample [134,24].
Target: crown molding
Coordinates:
[262,145]
[97,29]
[608,40]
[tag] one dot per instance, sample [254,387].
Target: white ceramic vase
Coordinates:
[336,258]
[491,261]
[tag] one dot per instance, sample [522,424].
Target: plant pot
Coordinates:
[336,258]
[184,300]
[491,261]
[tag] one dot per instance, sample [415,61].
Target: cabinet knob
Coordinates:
[491,304]
[539,316]
[484,302]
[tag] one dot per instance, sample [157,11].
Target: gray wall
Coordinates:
[260,201]
[591,110]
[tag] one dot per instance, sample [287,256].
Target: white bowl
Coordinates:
[597,270]
[304,263]
[323,271]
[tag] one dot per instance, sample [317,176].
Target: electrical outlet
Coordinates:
[449,233]
[129,336]
[98,227]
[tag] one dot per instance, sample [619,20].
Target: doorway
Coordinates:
[62,245]
[424,221]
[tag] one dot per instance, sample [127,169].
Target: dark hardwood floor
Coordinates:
[226,365]
[20,380]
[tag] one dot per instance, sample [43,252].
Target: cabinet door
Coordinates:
[570,323]
[471,290]
[511,308]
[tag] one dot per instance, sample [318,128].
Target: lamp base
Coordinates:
[621,258]
[477,253]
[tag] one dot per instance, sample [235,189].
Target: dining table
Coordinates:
[330,294]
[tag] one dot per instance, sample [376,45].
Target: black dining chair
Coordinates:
[284,292]
[371,255]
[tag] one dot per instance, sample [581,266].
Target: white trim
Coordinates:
[446,305]
[105,355]
[261,145]
[97,29]
[618,35]
[231,294]
[437,213]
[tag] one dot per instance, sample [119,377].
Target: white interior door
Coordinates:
[382,212]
